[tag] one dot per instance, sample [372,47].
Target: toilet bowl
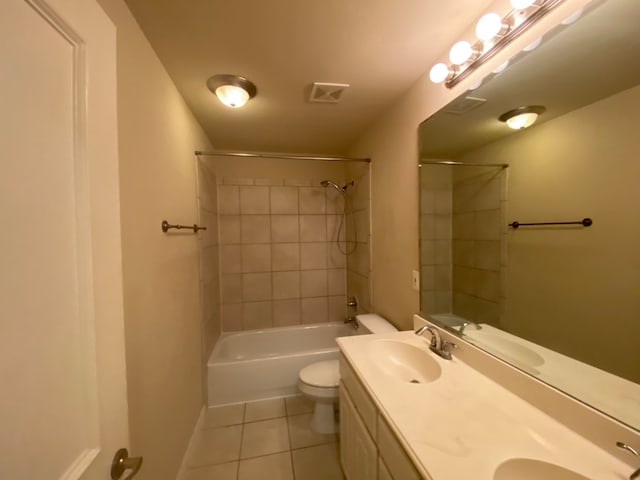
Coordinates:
[319,381]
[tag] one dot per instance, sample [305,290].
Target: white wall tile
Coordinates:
[257,315]
[231,288]
[313,228]
[256,258]
[312,200]
[255,228]
[231,317]
[254,200]
[313,256]
[286,312]
[337,308]
[285,228]
[286,285]
[337,281]
[228,200]
[315,310]
[313,283]
[229,229]
[284,200]
[285,256]
[230,259]
[256,287]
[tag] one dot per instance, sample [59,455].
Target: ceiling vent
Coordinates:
[327,92]
[464,105]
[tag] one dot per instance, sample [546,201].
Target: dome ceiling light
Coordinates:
[232,90]
[522,117]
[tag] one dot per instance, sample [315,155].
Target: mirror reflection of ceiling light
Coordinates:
[533,45]
[522,117]
[573,18]
[501,68]
[232,90]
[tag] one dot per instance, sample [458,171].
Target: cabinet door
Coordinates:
[358,451]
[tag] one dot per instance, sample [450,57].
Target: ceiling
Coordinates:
[378,47]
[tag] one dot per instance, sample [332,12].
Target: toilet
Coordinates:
[319,381]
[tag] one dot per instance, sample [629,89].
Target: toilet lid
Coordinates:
[321,374]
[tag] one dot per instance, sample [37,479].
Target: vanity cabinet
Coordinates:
[369,449]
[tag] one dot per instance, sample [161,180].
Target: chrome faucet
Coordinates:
[466,323]
[635,475]
[438,346]
[352,320]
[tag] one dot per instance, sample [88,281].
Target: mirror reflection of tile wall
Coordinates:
[463,233]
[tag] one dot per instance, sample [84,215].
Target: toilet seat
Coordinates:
[325,374]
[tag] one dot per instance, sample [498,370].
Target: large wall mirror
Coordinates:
[559,301]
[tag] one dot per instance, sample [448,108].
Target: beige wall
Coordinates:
[157,136]
[392,144]
[576,290]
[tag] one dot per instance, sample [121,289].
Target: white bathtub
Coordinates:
[259,364]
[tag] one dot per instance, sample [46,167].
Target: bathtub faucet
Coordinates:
[352,320]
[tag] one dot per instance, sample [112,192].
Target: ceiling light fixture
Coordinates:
[522,117]
[493,33]
[232,90]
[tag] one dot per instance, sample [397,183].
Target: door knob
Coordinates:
[122,462]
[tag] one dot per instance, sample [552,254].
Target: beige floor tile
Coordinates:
[216,445]
[298,404]
[225,471]
[302,435]
[264,438]
[264,410]
[223,416]
[317,463]
[270,467]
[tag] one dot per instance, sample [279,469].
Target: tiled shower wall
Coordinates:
[435,238]
[279,261]
[463,241]
[357,222]
[209,269]
[479,242]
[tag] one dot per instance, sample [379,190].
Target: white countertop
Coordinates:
[463,424]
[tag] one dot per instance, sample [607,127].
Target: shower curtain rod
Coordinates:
[286,156]
[462,164]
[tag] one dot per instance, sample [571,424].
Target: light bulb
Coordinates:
[573,17]
[460,53]
[533,45]
[439,73]
[232,96]
[489,26]
[523,120]
[522,4]
[501,68]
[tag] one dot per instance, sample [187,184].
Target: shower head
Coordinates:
[341,189]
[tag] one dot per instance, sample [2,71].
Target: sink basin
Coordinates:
[530,469]
[404,361]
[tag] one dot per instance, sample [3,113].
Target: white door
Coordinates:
[63,410]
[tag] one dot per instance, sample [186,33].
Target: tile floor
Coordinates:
[269,439]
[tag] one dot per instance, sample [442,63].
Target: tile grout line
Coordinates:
[286,411]
[244,412]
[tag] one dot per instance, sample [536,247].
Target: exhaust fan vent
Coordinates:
[464,105]
[327,92]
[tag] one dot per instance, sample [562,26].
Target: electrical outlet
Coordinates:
[415,280]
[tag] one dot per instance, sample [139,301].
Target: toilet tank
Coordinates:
[374,323]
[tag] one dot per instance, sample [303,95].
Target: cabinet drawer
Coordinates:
[363,403]
[393,454]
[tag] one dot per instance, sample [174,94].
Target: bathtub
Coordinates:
[259,364]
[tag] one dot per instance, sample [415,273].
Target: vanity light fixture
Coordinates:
[522,117]
[232,90]
[494,33]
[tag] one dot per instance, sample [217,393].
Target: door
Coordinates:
[63,411]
